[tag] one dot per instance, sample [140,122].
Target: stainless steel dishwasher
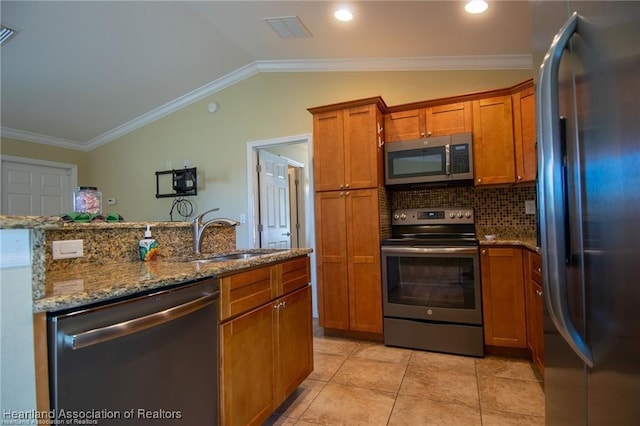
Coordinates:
[151,359]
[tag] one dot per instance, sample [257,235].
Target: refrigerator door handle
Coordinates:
[552,188]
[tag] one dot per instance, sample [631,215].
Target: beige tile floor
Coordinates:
[364,383]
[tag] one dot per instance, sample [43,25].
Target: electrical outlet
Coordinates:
[530,207]
[112,201]
[67,249]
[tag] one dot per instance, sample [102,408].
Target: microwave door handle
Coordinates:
[447,159]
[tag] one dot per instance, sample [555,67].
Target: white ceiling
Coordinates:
[80,74]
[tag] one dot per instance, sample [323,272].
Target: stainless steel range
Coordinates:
[431,282]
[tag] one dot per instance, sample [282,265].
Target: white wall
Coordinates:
[17,368]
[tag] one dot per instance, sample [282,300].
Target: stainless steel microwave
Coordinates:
[431,160]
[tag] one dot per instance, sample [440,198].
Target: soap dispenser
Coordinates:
[148,246]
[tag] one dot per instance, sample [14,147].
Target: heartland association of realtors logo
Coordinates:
[83,417]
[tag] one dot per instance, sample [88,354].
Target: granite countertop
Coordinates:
[30,222]
[526,242]
[89,283]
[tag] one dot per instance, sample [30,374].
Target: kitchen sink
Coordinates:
[223,258]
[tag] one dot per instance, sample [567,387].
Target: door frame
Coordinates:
[71,168]
[253,198]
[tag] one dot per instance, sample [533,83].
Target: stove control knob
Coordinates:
[396,216]
[403,216]
[459,214]
[467,214]
[452,215]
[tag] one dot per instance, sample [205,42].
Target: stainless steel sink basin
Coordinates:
[223,258]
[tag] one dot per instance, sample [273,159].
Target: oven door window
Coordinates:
[443,282]
[417,162]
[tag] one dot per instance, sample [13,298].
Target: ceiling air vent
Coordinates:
[6,34]
[288,27]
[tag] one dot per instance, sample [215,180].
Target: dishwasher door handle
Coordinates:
[135,325]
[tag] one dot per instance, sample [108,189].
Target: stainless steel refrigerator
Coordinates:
[588,106]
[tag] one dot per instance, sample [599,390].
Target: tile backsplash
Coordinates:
[497,210]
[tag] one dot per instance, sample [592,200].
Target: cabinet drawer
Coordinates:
[244,291]
[295,274]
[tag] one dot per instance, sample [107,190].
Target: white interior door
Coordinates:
[36,189]
[273,180]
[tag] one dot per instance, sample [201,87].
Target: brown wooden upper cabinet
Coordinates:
[427,122]
[524,133]
[347,147]
[493,147]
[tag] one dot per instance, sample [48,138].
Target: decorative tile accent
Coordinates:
[497,210]
[105,243]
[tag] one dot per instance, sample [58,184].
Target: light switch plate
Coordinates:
[67,249]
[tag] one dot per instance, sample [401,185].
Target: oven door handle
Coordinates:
[429,250]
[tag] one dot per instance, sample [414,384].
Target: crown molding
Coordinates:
[23,135]
[434,63]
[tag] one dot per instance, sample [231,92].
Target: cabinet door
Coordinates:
[405,125]
[328,149]
[294,348]
[363,248]
[449,119]
[363,155]
[246,356]
[503,299]
[524,132]
[538,350]
[537,327]
[331,260]
[493,141]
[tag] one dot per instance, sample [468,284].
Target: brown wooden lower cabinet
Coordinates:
[266,351]
[535,302]
[503,299]
[348,260]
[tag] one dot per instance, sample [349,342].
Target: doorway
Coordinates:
[296,152]
[36,187]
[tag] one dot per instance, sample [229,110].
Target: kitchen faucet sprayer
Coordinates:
[199,226]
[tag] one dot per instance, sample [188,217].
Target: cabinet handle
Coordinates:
[540,270]
[519,177]
[342,194]
[346,193]
[346,186]
[284,304]
[428,133]
[341,186]
[422,135]
[484,251]
[479,180]
[539,293]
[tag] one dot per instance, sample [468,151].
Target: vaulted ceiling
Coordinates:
[79,74]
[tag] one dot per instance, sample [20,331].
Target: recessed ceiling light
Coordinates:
[343,15]
[476,6]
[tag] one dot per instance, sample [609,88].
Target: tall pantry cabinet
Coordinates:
[347,149]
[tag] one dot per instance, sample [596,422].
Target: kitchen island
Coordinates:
[262,280]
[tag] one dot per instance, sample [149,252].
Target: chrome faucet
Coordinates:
[199,226]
